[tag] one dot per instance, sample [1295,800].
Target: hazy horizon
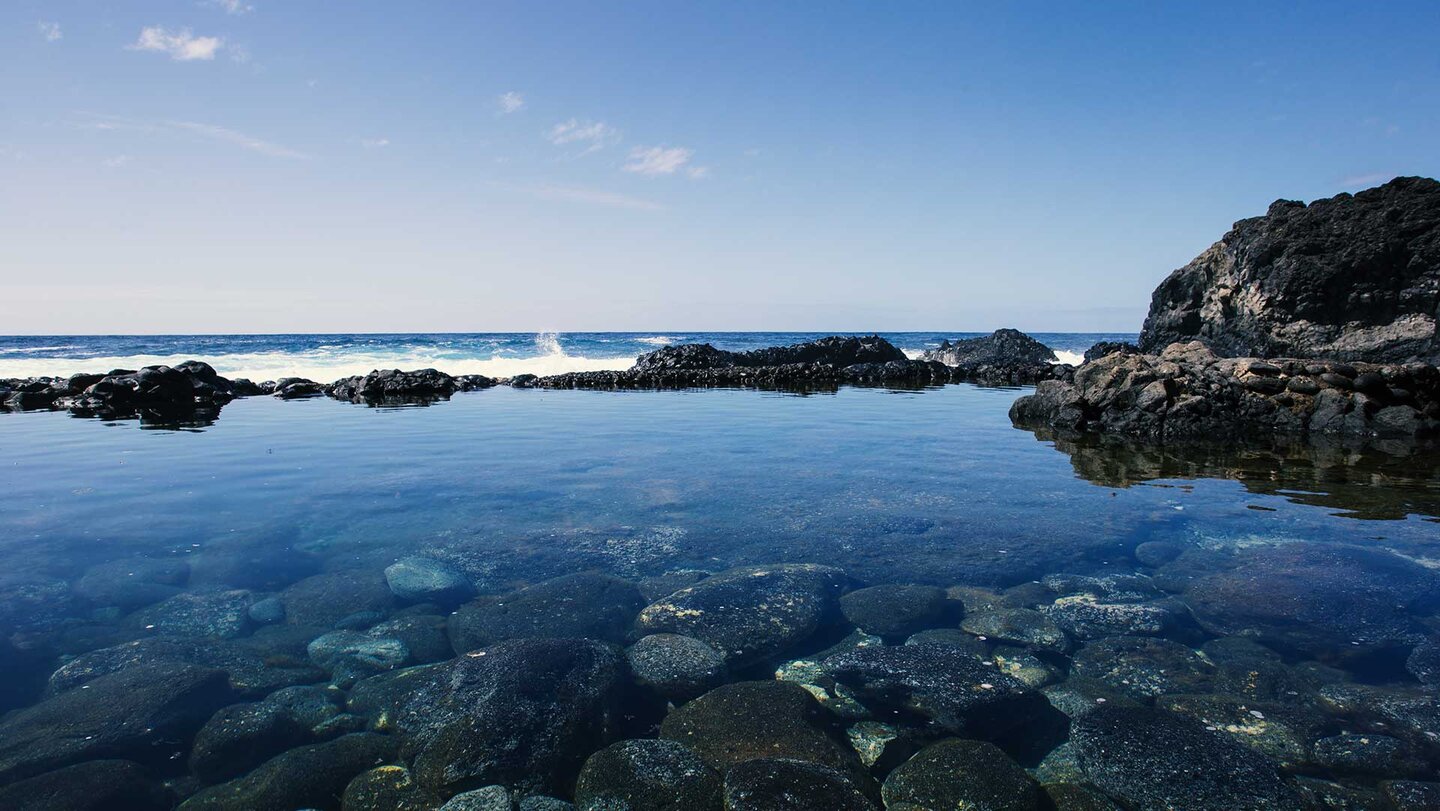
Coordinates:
[253,167]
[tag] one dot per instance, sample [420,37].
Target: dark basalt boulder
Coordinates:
[777,784]
[894,609]
[253,672]
[1103,348]
[392,386]
[685,357]
[1155,759]
[647,775]
[523,713]
[677,667]
[189,391]
[951,686]
[312,776]
[389,788]
[1188,393]
[1352,277]
[748,720]
[588,604]
[1325,599]
[97,785]
[1003,347]
[956,773]
[143,713]
[835,351]
[240,737]
[293,388]
[752,612]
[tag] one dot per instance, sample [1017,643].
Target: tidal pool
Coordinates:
[349,576]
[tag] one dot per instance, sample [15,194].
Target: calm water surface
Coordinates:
[516,486]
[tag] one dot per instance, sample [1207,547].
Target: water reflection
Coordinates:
[1375,480]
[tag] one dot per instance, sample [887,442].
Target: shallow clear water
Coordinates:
[516,486]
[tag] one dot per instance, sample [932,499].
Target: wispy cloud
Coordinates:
[591,135]
[117,161]
[50,31]
[580,194]
[208,132]
[231,6]
[181,45]
[240,139]
[510,102]
[374,143]
[664,160]
[1366,180]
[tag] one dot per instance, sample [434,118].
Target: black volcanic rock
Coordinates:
[1103,348]
[1188,393]
[1003,346]
[392,386]
[1352,277]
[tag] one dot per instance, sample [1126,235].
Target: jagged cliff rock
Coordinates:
[1349,278]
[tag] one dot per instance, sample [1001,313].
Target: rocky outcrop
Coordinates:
[1353,277]
[178,392]
[1001,347]
[826,363]
[392,386]
[1186,392]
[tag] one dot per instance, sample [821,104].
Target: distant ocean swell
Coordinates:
[330,357]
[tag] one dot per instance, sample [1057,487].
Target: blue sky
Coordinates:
[262,166]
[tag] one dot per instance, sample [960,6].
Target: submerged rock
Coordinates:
[143,713]
[388,788]
[1317,598]
[325,599]
[1023,626]
[524,713]
[312,776]
[647,775]
[758,719]
[1144,667]
[252,673]
[96,785]
[956,773]
[950,686]
[132,583]
[750,613]
[677,667]
[777,784]
[591,605]
[1154,759]
[418,579]
[893,609]
[218,614]
[240,737]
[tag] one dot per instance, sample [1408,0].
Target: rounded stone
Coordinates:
[677,667]
[647,775]
[958,773]
[419,579]
[894,609]
[776,784]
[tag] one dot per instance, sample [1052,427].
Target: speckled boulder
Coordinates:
[750,613]
[647,775]
[1155,759]
[590,605]
[967,774]
[677,667]
[775,784]
[893,609]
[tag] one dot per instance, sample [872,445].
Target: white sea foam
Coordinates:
[1072,358]
[659,340]
[328,365]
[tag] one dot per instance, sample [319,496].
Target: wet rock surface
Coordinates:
[1009,347]
[893,610]
[96,785]
[312,776]
[677,667]
[1187,392]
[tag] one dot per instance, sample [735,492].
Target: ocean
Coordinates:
[325,358]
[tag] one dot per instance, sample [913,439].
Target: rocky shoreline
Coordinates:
[193,390]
